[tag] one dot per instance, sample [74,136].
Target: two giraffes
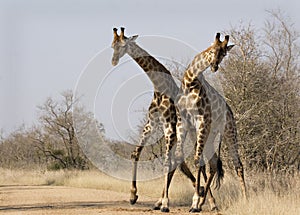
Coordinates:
[195,108]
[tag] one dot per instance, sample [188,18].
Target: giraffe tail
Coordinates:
[220,174]
[220,170]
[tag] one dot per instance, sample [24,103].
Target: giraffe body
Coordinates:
[200,106]
[161,112]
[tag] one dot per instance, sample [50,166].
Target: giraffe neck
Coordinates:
[195,70]
[161,78]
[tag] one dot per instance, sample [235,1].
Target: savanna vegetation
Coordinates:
[261,82]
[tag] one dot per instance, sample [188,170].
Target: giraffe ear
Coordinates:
[217,39]
[229,47]
[133,38]
[116,36]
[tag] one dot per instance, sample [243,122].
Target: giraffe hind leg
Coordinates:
[207,190]
[216,168]
[185,169]
[231,140]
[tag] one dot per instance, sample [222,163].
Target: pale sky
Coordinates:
[46,44]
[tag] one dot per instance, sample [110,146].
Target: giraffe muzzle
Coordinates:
[114,62]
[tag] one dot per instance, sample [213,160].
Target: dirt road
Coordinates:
[19,199]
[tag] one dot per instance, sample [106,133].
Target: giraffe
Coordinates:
[201,107]
[160,111]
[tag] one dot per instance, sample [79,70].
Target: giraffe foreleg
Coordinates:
[196,197]
[181,132]
[158,204]
[202,128]
[184,168]
[170,135]
[147,131]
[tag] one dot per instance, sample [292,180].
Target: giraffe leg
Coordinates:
[202,128]
[183,166]
[207,190]
[147,131]
[230,136]
[240,173]
[170,135]
[179,154]
[196,196]
[185,169]
[215,167]
[163,202]
[158,204]
[215,163]
[178,161]
[211,199]
[181,132]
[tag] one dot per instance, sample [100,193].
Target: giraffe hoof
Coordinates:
[156,208]
[214,209]
[133,201]
[195,210]
[165,210]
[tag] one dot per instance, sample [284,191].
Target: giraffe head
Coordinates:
[120,45]
[217,51]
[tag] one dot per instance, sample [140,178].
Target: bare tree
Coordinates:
[56,135]
[261,83]
[18,151]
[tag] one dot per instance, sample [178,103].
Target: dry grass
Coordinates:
[267,195]
[266,203]
[35,177]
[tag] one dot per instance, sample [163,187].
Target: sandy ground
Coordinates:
[19,199]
